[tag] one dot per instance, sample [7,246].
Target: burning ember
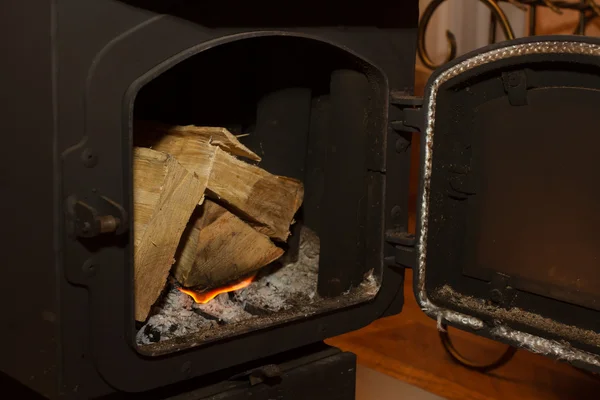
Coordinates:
[205,297]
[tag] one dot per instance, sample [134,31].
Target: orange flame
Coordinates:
[205,297]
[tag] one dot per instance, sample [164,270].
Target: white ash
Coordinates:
[224,309]
[370,280]
[292,284]
[278,290]
[173,317]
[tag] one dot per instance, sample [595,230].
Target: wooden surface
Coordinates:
[149,132]
[268,201]
[165,194]
[371,384]
[192,151]
[219,248]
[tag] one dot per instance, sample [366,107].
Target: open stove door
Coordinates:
[508,236]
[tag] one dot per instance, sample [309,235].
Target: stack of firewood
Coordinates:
[201,212]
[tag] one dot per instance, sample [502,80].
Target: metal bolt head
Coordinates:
[186,368]
[514,80]
[89,158]
[496,296]
[108,223]
[89,267]
[396,214]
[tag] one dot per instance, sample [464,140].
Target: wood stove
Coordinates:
[321,72]
[325,91]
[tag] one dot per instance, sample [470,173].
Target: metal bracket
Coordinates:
[88,218]
[406,117]
[400,237]
[515,86]
[404,245]
[410,116]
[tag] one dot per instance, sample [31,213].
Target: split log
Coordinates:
[152,132]
[165,194]
[194,153]
[267,201]
[218,248]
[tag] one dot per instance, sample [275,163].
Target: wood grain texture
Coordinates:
[219,248]
[195,153]
[165,194]
[268,201]
[148,132]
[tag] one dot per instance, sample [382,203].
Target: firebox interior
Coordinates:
[312,112]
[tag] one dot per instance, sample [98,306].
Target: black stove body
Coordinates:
[77,73]
[506,243]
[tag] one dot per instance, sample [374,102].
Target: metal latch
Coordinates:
[92,217]
[406,117]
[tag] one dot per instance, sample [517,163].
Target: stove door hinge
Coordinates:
[406,115]
[95,215]
[404,247]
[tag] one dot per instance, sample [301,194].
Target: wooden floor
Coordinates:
[407,347]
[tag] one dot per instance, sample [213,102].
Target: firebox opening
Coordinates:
[312,113]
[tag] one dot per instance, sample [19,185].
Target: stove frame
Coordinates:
[72,64]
